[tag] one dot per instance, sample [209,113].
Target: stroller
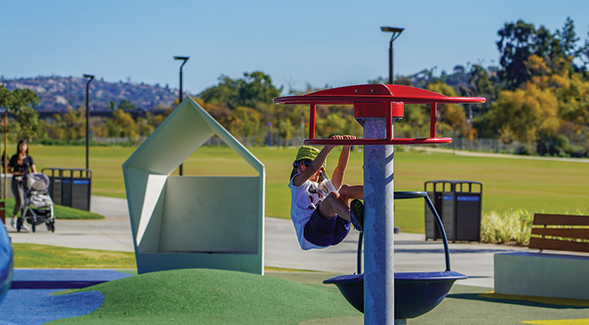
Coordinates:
[38,205]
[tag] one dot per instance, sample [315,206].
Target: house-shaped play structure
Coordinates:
[193,221]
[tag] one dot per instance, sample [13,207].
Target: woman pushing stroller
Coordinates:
[19,167]
[321,210]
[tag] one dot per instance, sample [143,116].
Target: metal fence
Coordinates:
[481,144]
[485,145]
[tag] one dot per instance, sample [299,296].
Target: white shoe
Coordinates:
[13,222]
[24,227]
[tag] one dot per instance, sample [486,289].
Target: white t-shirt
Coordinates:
[304,200]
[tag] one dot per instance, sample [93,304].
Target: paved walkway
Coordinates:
[412,252]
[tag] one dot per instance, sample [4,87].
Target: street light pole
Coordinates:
[88,119]
[183,58]
[302,126]
[396,32]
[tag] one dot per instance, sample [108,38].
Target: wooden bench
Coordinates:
[560,232]
[548,274]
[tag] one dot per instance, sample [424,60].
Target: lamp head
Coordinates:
[88,76]
[391,29]
[184,58]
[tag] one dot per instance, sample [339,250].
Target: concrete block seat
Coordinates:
[542,275]
[548,274]
[416,293]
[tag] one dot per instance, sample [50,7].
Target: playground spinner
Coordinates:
[376,108]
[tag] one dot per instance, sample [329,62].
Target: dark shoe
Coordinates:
[357,214]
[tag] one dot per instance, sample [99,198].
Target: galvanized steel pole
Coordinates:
[379,275]
[396,32]
[88,119]
[391,73]
[181,58]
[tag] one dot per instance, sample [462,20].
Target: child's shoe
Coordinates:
[357,214]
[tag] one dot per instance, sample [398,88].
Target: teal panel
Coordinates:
[173,142]
[147,262]
[222,216]
[211,214]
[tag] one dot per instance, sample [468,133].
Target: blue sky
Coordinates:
[295,42]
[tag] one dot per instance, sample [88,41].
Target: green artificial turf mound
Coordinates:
[204,296]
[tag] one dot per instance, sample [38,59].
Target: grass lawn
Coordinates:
[35,256]
[535,185]
[61,212]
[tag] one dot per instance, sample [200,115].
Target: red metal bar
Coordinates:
[312,121]
[389,121]
[432,115]
[372,142]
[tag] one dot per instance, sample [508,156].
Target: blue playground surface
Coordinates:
[30,299]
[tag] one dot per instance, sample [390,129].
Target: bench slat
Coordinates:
[540,243]
[560,232]
[560,220]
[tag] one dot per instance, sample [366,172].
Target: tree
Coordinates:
[285,128]
[246,123]
[480,84]
[452,117]
[98,127]
[248,91]
[520,40]
[146,125]
[526,114]
[18,103]
[126,105]
[68,126]
[124,125]
[515,46]
[28,122]
[568,38]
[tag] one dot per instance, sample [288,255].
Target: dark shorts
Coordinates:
[326,232]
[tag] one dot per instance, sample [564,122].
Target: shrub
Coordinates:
[509,226]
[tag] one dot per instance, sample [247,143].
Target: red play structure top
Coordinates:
[377,100]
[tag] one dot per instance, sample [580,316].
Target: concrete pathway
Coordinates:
[412,252]
[112,233]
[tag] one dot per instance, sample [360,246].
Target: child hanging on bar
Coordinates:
[320,207]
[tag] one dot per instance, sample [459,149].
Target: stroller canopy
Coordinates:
[37,181]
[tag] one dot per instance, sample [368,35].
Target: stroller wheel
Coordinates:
[51,226]
[18,224]
[33,226]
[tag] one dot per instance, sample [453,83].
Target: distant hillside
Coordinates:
[57,93]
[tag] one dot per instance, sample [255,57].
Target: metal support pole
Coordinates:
[5,157]
[88,124]
[88,119]
[379,276]
[391,61]
[184,59]
[396,32]
[302,127]
[181,168]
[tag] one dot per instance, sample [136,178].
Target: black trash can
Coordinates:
[70,186]
[459,204]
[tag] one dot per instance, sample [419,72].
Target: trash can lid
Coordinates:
[452,182]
